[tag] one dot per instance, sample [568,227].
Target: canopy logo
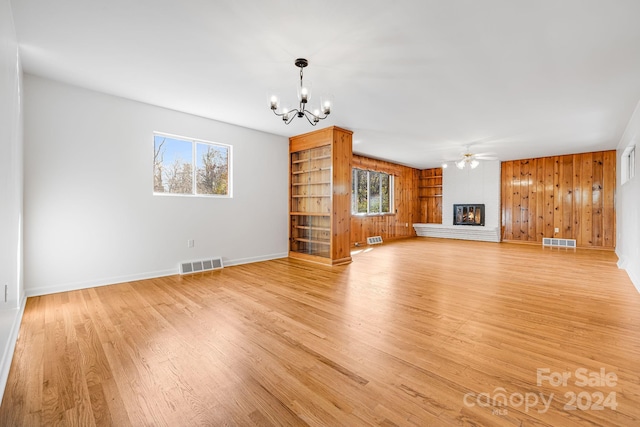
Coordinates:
[499,400]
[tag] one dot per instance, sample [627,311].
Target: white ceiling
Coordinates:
[415,80]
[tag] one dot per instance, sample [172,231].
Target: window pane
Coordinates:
[172,165]
[190,167]
[362,191]
[212,172]
[354,190]
[374,192]
[384,193]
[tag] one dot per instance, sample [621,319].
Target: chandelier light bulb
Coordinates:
[326,107]
[474,163]
[274,102]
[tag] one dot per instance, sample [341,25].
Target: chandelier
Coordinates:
[303,100]
[468,159]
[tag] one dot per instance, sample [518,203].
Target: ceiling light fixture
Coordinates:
[303,99]
[467,160]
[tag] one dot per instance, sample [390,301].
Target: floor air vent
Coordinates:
[203,265]
[562,243]
[375,240]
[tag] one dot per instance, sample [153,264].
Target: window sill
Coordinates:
[362,215]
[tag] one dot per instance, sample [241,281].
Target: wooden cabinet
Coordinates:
[430,194]
[320,196]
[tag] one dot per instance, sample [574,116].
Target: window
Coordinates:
[628,163]
[631,162]
[183,166]
[371,192]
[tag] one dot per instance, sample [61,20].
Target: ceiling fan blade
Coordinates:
[486,157]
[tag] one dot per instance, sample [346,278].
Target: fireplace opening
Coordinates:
[468,214]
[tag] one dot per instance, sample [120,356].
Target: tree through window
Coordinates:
[183,166]
[371,192]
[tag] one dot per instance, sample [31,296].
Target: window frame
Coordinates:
[354,198]
[628,163]
[194,162]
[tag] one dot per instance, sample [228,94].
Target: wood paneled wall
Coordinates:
[406,204]
[573,193]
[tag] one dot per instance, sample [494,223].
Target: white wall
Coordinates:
[10,161]
[479,185]
[90,215]
[10,192]
[628,206]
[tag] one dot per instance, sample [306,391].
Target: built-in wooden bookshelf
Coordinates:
[430,194]
[320,190]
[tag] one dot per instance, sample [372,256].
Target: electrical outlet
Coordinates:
[557,230]
[191,243]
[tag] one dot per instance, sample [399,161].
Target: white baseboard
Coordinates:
[622,261]
[240,261]
[66,287]
[634,279]
[624,265]
[10,346]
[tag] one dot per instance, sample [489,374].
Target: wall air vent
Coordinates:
[202,265]
[560,243]
[374,240]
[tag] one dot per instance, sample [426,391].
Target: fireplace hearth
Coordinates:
[468,214]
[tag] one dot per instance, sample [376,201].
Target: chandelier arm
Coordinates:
[290,114]
[293,116]
[293,112]
[306,115]
[318,116]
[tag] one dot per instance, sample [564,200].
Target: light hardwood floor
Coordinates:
[420,332]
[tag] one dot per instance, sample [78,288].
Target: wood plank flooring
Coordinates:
[421,332]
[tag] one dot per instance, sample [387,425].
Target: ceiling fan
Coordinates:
[471,160]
